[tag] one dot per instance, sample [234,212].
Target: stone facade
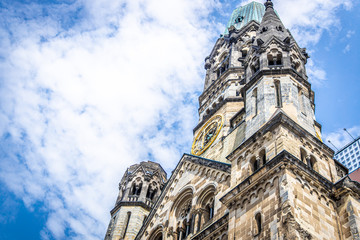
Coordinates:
[258,168]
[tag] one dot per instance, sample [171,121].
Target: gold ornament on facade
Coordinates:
[207,135]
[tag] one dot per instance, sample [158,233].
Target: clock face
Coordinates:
[207,135]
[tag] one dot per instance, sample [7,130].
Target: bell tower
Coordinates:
[139,188]
[258,168]
[276,78]
[221,104]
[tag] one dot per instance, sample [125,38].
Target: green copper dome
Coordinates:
[245,14]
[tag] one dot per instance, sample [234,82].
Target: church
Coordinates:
[258,167]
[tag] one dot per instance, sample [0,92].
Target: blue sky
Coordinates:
[88,88]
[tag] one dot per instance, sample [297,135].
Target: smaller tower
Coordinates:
[139,188]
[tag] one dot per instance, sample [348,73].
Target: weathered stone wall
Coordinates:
[297,106]
[136,220]
[263,201]
[275,140]
[313,209]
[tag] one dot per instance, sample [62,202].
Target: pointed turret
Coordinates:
[271,26]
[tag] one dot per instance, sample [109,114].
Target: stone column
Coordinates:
[144,189]
[259,161]
[196,222]
[308,160]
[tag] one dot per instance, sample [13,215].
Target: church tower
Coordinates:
[221,105]
[258,168]
[139,188]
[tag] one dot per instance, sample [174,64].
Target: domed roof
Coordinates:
[245,14]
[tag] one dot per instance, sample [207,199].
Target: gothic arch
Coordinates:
[185,195]
[157,233]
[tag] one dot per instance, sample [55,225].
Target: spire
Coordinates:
[271,25]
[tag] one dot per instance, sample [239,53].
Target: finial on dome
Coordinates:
[268,4]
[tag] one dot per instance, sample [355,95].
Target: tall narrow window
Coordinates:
[136,189]
[127,223]
[255,101]
[258,222]
[312,163]
[301,101]
[199,222]
[278,94]
[210,209]
[255,164]
[263,156]
[275,59]
[303,155]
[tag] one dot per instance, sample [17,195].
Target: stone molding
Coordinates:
[132,204]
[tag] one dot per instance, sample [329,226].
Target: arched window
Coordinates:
[210,209]
[159,237]
[157,234]
[223,66]
[278,94]
[182,212]
[255,101]
[151,192]
[254,164]
[263,156]
[136,189]
[275,59]
[258,223]
[206,202]
[312,163]
[301,101]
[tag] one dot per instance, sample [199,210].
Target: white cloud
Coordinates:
[316,74]
[347,48]
[350,33]
[340,138]
[83,100]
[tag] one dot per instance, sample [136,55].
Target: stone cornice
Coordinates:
[281,161]
[242,110]
[225,167]
[121,204]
